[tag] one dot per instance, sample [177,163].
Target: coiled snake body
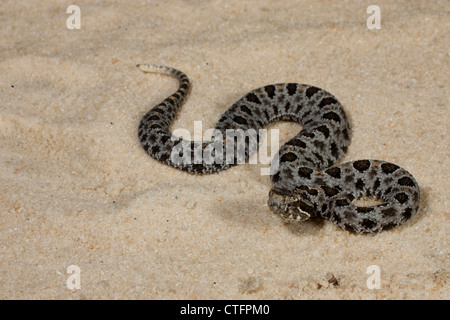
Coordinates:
[305,184]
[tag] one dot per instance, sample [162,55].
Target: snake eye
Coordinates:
[302,215]
[305,210]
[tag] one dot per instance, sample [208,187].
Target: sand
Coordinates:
[78,190]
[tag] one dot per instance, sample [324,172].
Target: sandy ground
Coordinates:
[77,188]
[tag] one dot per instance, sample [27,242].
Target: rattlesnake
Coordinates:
[306,183]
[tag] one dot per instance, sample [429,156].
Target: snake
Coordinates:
[307,183]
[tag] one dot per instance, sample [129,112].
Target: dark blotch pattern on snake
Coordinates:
[306,184]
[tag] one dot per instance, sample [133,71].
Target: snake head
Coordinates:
[291,206]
